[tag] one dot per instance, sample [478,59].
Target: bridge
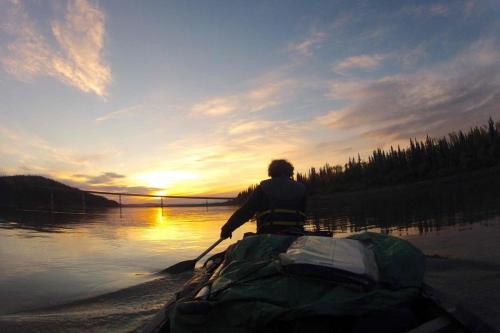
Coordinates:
[124,194]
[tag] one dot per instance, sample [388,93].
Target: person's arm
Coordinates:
[242,214]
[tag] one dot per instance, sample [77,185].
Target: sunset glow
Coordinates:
[165,180]
[157,98]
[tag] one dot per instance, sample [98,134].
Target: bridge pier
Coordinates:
[120,203]
[51,201]
[84,204]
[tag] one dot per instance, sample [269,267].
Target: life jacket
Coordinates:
[283,205]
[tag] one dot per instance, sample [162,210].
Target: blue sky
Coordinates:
[198,97]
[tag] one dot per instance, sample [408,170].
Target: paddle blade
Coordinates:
[180,267]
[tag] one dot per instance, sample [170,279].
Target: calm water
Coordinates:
[46,259]
[49,259]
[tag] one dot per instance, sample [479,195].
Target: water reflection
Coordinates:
[417,209]
[51,258]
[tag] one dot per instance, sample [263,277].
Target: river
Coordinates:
[81,270]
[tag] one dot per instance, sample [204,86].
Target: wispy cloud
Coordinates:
[434,9]
[128,111]
[458,93]
[370,62]
[106,178]
[374,34]
[365,62]
[250,126]
[469,7]
[109,186]
[307,46]
[439,9]
[243,145]
[260,98]
[77,57]
[216,106]
[33,152]
[274,87]
[411,57]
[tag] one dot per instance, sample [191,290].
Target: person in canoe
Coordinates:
[278,203]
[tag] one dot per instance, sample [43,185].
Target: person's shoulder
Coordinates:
[258,189]
[263,185]
[287,182]
[265,182]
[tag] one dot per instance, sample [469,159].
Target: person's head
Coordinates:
[280,168]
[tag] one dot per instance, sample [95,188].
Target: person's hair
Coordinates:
[280,168]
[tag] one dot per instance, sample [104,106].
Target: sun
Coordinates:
[160,193]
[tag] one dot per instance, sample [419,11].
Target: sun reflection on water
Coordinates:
[69,255]
[190,228]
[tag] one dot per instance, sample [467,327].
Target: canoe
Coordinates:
[367,282]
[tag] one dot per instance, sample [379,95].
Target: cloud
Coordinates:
[107,187]
[131,110]
[366,62]
[102,179]
[122,189]
[438,9]
[372,34]
[271,89]
[345,90]
[246,148]
[412,56]
[307,46]
[334,145]
[469,7]
[461,92]
[435,9]
[250,126]
[216,106]
[76,59]
[369,62]
[23,149]
[262,97]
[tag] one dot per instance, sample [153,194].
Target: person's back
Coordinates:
[278,203]
[283,205]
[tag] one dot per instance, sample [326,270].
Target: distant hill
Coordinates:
[34,192]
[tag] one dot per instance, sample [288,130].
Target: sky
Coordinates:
[197,97]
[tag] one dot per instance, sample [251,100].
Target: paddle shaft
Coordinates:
[209,249]
[188,265]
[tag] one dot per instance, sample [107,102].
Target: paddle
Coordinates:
[188,265]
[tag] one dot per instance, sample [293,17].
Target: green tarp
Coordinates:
[253,289]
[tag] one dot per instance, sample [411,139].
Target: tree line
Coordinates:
[458,152]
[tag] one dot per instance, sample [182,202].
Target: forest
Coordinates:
[458,152]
